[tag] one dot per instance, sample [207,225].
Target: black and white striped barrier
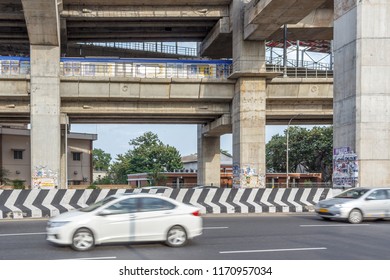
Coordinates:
[17,204]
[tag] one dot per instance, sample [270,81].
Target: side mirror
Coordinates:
[105,212]
[370,198]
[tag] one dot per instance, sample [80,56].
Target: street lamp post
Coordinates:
[288,128]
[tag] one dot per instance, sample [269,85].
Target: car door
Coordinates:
[116,223]
[375,204]
[154,217]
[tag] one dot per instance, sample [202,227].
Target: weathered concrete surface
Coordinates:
[42,21]
[209,159]
[45,115]
[361,86]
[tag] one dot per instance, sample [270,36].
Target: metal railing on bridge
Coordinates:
[159,68]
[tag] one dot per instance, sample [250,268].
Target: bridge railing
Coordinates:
[160,68]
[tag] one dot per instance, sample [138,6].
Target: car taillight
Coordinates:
[196,213]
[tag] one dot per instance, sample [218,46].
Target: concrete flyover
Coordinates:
[44,29]
[174,100]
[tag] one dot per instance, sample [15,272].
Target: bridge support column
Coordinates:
[209,159]
[362,88]
[249,105]
[45,117]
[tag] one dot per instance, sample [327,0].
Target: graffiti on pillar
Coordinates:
[44,178]
[247,177]
[345,168]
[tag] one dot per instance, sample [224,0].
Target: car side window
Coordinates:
[124,206]
[155,204]
[379,194]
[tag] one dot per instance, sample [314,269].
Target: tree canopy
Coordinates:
[147,155]
[100,160]
[309,148]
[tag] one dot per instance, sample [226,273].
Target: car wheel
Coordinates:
[355,216]
[83,240]
[176,237]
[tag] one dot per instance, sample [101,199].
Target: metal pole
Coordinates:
[285,51]
[297,54]
[288,128]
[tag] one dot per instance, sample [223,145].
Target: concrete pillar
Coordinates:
[64,152]
[45,117]
[209,159]
[362,87]
[248,108]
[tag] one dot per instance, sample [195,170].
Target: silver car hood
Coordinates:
[333,201]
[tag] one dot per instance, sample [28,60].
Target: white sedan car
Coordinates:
[126,218]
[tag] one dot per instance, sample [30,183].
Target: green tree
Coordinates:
[147,155]
[100,159]
[4,173]
[311,148]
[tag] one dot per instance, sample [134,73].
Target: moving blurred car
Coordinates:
[356,204]
[126,218]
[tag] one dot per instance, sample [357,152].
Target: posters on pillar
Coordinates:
[44,178]
[345,168]
[247,177]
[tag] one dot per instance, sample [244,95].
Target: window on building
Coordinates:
[76,156]
[18,154]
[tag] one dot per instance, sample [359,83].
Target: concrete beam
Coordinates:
[218,43]
[42,22]
[267,16]
[220,126]
[152,11]
[318,25]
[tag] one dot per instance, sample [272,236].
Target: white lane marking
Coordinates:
[93,258]
[346,225]
[22,234]
[215,227]
[272,250]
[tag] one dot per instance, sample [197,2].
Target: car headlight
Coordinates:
[56,224]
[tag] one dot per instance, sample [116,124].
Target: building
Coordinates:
[187,177]
[15,155]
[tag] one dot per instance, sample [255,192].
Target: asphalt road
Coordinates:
[227,237]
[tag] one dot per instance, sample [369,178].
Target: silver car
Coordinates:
[356,204]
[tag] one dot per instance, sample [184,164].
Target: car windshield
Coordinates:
[352,193]
[96,205]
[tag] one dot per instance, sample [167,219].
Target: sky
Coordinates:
[114,138]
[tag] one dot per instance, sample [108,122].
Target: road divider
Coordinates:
[19,204]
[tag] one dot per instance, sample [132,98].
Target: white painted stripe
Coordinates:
[47,203]
[343,225]
[35,211]
[102,194]
[66,199]
[22,234]
[290,199]
[236,200]
[222,200]
[278,200]
[181,194]
[84,198]
[215,227]
[251,201]
[92,258]
[17,213]
[194,200]
[215,208]
[317,196]
[264,199]
[304,197]
[273,250]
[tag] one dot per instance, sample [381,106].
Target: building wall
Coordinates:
[79,172]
